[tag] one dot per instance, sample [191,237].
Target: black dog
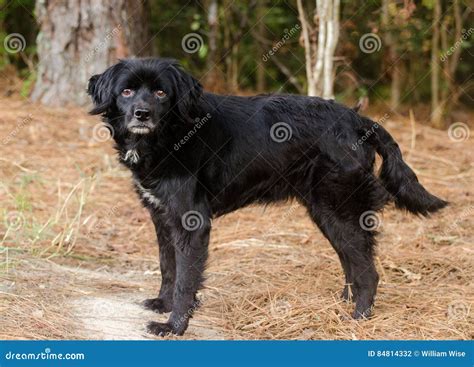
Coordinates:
[198,155]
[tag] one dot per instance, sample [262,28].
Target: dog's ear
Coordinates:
[187,93]
[100,88]
[101,94]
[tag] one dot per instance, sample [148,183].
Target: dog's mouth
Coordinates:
[140,127]
[140,130]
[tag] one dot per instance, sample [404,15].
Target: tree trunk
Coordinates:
[455,58]
[234,69]
[396,84]
[80,38]
[261,29]
[212,61]
[449,89]
[308,46]
[332,19]
[319,51]
[395,68]
[436,108]
[227,35]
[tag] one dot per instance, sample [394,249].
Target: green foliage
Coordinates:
[27,85]
[17,16]
[246,36]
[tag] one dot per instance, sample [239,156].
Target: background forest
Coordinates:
[400,54]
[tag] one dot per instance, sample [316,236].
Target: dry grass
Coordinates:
[271,274]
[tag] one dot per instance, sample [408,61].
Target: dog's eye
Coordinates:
[160,94]
[127,92]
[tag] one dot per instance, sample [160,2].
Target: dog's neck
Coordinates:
[133,149]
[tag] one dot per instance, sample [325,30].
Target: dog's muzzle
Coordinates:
[140,127]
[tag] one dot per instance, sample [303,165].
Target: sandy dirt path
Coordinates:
[120,316]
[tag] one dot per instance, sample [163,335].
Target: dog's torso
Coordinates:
[267,151]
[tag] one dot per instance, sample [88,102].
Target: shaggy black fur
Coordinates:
[195,156]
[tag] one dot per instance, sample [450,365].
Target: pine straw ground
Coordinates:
[76,233]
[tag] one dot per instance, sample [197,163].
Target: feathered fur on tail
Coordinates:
[399,179]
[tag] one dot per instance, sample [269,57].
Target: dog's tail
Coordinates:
[398,178]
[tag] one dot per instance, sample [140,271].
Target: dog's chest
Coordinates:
[148,195]
[138,161]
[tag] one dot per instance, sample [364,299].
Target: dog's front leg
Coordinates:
[191,239]
[164,302]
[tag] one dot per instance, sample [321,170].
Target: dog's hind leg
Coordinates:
[354,247]
[338,200]
[318,214]
[164,302]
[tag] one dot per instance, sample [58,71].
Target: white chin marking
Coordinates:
[140,130]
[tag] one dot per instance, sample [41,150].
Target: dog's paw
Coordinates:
[159,328]
[157,305]
[362,313]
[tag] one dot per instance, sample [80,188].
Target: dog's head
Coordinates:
[142,94]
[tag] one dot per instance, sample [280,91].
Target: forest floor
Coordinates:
[78,253]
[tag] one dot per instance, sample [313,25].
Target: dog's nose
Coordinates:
[142,114]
